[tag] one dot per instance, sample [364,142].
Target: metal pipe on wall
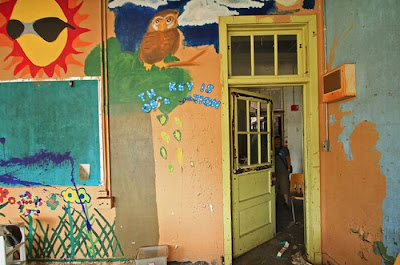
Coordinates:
[326,123]
[104,80]
[326,145]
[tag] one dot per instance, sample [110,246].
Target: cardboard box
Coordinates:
[153,255]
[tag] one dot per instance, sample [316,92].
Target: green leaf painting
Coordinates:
[128,78]
[178,135]
[165,137]
[163,152]
[171,168]
[163,119]
[178,122]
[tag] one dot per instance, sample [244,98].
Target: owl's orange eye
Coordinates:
[169,20]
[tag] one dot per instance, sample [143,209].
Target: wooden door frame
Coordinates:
[309,81]
[252,170]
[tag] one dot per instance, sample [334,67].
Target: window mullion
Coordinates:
[252,54]
[248,132]
[236,133]
[269,138]
[229,56]
[259,130]
[275,54]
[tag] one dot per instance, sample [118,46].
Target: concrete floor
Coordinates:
[286,231]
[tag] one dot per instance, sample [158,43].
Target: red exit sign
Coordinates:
[294,107]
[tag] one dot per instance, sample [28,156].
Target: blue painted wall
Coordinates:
[373,44]
[46,130]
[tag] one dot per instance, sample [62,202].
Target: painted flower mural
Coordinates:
[29,204]
[52,202]
[84,197]
[79,196]
[70,195]
[11,200]
[3,194]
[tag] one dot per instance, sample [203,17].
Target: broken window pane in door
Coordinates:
[242,150]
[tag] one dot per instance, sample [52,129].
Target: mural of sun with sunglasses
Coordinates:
[43,35]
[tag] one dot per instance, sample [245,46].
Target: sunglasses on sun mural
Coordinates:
[47,28]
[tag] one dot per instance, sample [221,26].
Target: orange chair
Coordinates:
[296,190]
[397,261]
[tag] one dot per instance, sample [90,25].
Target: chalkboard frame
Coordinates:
[103,133]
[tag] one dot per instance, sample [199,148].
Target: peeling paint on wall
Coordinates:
[332,118]
[373,46]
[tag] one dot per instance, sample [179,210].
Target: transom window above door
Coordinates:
[265,54]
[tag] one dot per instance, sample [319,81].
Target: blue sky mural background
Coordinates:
[197,21]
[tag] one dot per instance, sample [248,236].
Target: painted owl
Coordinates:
[161,38]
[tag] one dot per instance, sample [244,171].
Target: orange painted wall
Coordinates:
[189,201]
[352,193]
[359,181]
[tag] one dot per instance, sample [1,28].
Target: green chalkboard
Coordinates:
[47,129]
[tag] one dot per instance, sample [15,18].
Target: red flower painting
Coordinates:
[11,200]
[3,194]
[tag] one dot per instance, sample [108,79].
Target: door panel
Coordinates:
[253,197]
[253,185]
[254,218]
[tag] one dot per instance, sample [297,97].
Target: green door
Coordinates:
[253,197]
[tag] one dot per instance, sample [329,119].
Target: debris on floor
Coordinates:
[291,224]
[266,254]
[298,259]
[285,247]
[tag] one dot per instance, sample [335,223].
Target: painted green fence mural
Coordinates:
[71,240]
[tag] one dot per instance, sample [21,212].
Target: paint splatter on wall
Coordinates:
[50,133]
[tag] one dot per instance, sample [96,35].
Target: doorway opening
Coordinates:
[258,56]
[287,123]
